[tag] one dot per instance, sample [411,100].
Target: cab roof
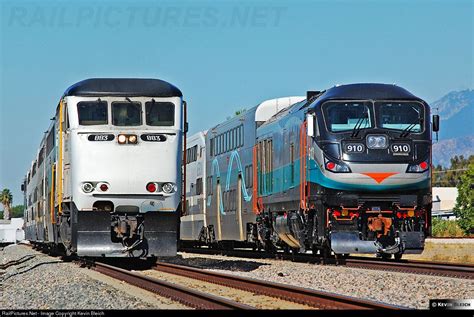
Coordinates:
[133,87]
[367,91]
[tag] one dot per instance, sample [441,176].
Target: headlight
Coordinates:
[132,139]
[336,167]
[377,142]
[418,168]
[168,188]
[122,139]
[127,138]
[87,188]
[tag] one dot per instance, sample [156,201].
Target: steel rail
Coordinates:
[417,267]
[444,269]
[16,262]
[184,295]
[313,298]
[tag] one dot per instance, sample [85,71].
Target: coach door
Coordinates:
[67,156]
[239,207]
[218,210]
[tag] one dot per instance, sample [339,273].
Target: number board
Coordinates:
[100,137]
[354,148]
[400,148]
[153,137]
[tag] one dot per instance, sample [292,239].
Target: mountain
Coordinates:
[459,124]
[444,150]
[456,136]
[452,103]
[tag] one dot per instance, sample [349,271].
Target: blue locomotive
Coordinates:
[346,170]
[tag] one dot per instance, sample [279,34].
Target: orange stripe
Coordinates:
[255,181]
[303,165]
[379,177]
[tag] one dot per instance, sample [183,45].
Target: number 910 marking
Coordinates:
[354,148]
[401,148]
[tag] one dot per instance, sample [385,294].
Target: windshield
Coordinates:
[345,116]
[126,113]
[400,115]
[92,112]
[159,113]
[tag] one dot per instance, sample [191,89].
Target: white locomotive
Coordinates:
[107,177]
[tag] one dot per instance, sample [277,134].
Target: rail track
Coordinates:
[16,262]
[184,295]
[441,238]
[405,266]
[416,267]
[313,298]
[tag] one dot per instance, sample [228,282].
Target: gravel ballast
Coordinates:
[44,282]
[408,290]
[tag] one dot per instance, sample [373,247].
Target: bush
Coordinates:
[446,228]
[464,208]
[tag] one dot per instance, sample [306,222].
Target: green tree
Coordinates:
[450,176]
[464,208]
[6,199]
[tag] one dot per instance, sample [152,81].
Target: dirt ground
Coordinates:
[445,250]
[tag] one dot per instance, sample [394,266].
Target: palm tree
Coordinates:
[6,198]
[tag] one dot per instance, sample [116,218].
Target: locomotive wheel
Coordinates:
[398,256]
[386,256]
[326,255]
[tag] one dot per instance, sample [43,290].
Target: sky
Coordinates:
[223,55]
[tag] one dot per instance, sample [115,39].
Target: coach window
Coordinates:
[224,136]
[92,112]
[241,136]
[126,114]
[199,186]
[221,144]
[33,172]
[159,113]
[50,142]
[41,156]
[248,176]
[209,188]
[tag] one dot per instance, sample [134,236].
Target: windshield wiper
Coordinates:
[408,129]
[358,124]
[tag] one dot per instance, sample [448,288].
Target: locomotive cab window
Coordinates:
[126,113]
[92,112]
[400,115]
[346,116]
[159,113]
